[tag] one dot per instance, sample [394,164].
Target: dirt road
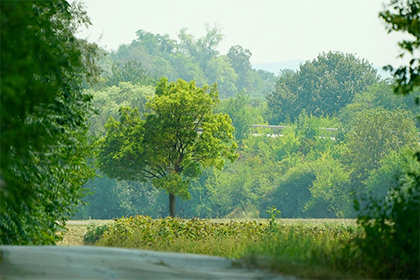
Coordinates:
[89,262]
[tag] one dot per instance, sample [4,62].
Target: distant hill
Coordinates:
[275,67]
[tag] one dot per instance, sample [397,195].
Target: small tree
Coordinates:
[171,145]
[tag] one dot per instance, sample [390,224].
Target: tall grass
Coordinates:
[319,251]
[305,248]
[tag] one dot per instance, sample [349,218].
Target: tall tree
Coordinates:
[202,49]
[240,59]
[322,86]
[129,71]
[241,113]
[43,117]
[220,71]
[171,145]
[375,132]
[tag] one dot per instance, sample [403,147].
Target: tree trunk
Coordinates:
[172,199]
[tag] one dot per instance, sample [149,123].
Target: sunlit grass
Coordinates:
[307,248]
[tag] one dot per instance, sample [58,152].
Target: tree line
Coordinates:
[151,56]
[307,172]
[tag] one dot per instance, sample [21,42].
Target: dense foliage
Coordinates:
[190,58]
[44,112]
[404,16]
[307,172]
[171,145]
[321,87]
[392,232]
[391,223]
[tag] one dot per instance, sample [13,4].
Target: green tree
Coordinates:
[380,95]
[202,49]
[394,169]
[322,87]
[330,191]
[156,43]
[240,60]
[291,193]
[107,101]
[374,133]
[163,56]
[241,113]
[220,71]
[136,51]
[390,244]
[187,69]
[236,191]
[261,83]
[404,16]
[44,147]
[172,144]
[129,71]
[313,182]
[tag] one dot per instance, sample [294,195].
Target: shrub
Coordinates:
[94,233]
[390,245]
[174,234]
[306,248]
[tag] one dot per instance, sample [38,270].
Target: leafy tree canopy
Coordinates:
[172,144]
[198,59]
[42,117]
[374,133]
[404,16]
[129,71]
[108,100]
[322,87]
[241,113]
[380,95]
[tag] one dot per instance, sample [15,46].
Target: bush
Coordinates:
[305,248]
[94,233]
[311,249]
[174,234]
[390,245]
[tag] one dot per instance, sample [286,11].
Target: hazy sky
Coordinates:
[274,30]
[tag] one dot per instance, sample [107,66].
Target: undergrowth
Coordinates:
[307,250]
[94,233]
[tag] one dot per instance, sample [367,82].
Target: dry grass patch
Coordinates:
[73,236]
[75,231]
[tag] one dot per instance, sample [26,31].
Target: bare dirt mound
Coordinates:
[89,262]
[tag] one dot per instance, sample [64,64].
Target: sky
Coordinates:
[273,30]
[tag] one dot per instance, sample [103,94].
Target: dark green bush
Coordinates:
[390,245]
[94,233]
